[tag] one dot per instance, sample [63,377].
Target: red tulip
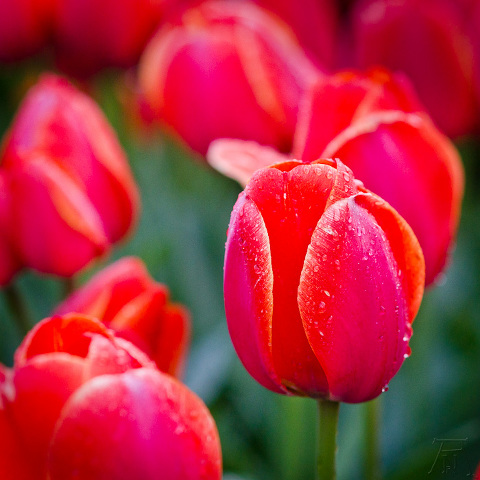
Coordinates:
[374,123]
[322,281]
[24,26]
[127,300]
[226,70]
[425,39]
[81,403]
[9,264]
[70,187]
[91,35]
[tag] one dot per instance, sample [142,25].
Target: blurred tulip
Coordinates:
[322,281]
[69,185]
[375,125]
[81,403]
[91,35]
[314,24]
[127,300]
[226,70]
[9,264]
[473,28]
[425,39]
[24,27]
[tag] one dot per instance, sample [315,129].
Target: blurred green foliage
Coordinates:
[431,412]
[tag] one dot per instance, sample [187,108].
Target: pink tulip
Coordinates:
[81,403]
[426,39]
[127,300]
[322,281]
[226,70]
[68,182]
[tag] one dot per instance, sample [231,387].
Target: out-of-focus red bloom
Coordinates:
[127,300]
[375,125]
[70,190]
[322,282]
[81,403]
[9,264]
[226,70]
[23,27]
[427,40]
[92,35]
[314,24]
[473,29]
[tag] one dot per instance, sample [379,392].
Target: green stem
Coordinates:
[18,308]
[68,286]
[327,439]
[372,443]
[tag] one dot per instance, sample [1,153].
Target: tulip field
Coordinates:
[232,248]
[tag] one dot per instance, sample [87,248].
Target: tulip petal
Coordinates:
[239,159]
[42,386]
[406,161]
[291,198]
[12,452]
[56,228]
[140,424]
[70,334]
[69,129]
[248,292]
[9,263]
[109,290]
[353,305]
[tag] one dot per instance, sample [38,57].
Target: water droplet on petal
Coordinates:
[385,388]
[322,307]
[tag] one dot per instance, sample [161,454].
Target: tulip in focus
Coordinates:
[427,40]
[66,180]
[322,282]
[81,403]
[126,299]
[376,125]
[226,70]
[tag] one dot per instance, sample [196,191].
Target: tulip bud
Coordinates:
[81,403]
[226,70]
[91,35]
[322,281]
[425,39]
[71,191]
[126,299]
